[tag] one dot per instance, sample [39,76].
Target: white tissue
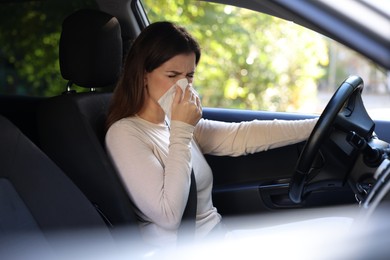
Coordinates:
[166,100]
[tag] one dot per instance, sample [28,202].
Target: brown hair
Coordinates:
[156,44]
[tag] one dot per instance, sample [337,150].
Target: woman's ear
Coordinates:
[145,79]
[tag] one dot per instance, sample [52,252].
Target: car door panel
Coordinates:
[253,183]
[259,182]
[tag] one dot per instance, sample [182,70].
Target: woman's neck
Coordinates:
[153,113]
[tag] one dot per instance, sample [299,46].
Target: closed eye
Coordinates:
[173,74]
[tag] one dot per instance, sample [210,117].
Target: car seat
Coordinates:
[71,126]
[36,197]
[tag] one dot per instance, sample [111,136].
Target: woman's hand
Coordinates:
[188,109]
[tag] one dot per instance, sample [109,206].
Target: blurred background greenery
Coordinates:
[29,39]
[245,62]
[249,60]
[259,62]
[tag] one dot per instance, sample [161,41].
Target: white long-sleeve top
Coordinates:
[155,161]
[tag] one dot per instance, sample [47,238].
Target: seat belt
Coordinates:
[186,231]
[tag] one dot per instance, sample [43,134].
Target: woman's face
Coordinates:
[162,78]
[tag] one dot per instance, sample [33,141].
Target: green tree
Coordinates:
[245,63]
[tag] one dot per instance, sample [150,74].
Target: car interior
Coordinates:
[37,199]
[56,174]
[90,56]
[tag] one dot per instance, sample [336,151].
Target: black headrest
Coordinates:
[91,49]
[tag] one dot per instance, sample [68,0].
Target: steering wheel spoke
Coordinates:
[346,111]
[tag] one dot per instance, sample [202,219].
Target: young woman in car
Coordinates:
[155,156]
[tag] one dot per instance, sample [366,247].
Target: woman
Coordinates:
[155,156]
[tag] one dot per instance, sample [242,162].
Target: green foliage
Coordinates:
[245,63]
[249,60]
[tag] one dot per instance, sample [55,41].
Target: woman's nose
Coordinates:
[190,79]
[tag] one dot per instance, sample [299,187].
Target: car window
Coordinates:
[29,39]
[259,62]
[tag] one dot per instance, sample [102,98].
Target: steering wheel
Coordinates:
[337,104]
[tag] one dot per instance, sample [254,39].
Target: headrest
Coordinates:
[91,49]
